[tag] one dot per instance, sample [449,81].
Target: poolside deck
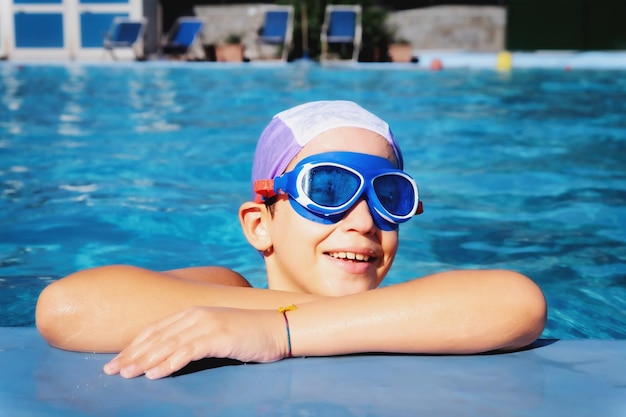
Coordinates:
[566,60]
[449,59]
[555,378]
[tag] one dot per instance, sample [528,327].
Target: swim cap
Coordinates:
[291,129]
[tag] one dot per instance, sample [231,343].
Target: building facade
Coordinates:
[59,29]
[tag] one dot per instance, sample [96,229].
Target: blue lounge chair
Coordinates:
[182,36]
[277,29]
[342,25]
[125,33]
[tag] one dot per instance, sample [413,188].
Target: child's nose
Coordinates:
[359,218]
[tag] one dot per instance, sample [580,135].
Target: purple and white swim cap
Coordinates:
[290,130]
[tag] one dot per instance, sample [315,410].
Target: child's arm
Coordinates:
[103,309]
[453,312]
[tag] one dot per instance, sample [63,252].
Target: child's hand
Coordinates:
[200,332]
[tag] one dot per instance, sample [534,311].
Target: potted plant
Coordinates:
[231,50]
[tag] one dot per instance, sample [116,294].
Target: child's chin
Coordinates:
[339,287]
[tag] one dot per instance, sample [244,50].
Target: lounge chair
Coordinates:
[125,33]
[342,25]
[182,37]
[277,30]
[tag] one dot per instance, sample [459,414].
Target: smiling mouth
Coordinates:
[350,256]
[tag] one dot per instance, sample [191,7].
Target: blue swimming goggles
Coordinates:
[325,186]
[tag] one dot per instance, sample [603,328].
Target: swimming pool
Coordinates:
[146,164]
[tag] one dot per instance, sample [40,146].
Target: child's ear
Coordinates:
[253,218]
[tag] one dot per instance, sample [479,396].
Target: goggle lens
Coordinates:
[395,193]
[330,186]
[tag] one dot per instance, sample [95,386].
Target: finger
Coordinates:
[113,367]
[156,356]
[175,362]
[143,349]
[167,357]
[125,360]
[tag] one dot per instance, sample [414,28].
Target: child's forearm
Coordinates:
[454,312]
[457,312]
[103,309]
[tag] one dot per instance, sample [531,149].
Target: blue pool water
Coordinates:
[146,164]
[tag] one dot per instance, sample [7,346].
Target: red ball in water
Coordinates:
[436,65]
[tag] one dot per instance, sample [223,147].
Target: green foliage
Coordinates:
[375,34]
[233,39]
[313,18]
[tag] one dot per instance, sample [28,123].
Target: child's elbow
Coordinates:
[54,313]
[529,314]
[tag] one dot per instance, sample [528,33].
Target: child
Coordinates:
[329,196]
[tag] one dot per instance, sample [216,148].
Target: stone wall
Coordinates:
[221,21]
[467,28]
[243,20]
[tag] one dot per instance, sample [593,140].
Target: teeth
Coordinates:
[350,255]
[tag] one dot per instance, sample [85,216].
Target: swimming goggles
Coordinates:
[325,186]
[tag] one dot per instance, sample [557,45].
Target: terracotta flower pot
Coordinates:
[229,52]
[400,52]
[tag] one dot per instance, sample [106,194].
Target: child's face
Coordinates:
[328,259]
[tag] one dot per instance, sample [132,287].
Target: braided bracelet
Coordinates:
[283,311]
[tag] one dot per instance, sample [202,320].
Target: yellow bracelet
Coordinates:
[283,311]
[288,308]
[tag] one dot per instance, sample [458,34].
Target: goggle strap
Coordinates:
[420,208]
[264,188]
